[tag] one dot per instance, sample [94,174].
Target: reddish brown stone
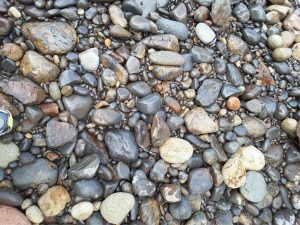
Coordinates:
[12,216]
[233,103]
[50,109]
[172,104]
[6,104]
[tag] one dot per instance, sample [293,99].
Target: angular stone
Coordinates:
[160,131]
[234,172]
[51,37]
[208,92]
[89,59]
[255,127]
[149,211]
[252,158]
[77,105]
[106,117]
[31,93]
[220,12]
[141,185]
[149,104]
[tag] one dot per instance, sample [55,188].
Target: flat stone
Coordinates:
[82,210]
[106,117]
[255,188]
[11,216]
[40,171]
[114,212]
[168,42]
[8,153]
[140,23]
[176,150]
[149,211]
[50,37]
[201,55]
[139,88]
[236,45]
[59,134]
[149,104]
[173,27]
[54,200]
[119,32]
[31,94]
[255,127]
[220,12]
[167,58]
[166,72]
[89,59]
[205,33]
[78,106]
[121,145]
[200,181]
[198,122]
[208,92]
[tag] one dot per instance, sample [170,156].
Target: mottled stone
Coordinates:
[12,216]
[8,153]
[149,211]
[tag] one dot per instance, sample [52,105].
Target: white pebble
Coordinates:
[82,210]
[34,214]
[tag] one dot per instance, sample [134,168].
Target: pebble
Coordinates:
[139,88]
[77,105]
[121,145]
[114,212]
[275,41]
[61,37]
[233,103]
[167,58]
[40,171]
[198,122]
[171,192]
[234,172]
[54,201]
[208,92]
[255,127]
[34,214]
[149,104]
[12,51]
[236,45]
[284,216]
[160,131]
[176,150]
[173,27]
[141,185]
[281,54]
[5,26]
[201,55]
[289,125]
[220,12]
[257,13]
[89,59]
[10,197]
[181,210]
[205,33]
[241,12]
[255,188]
[82,210]
[200,181]
[11,216]
[8,153]
[296,51]
[168,42]
[166,72]
[250,36]
[117,16]
[106,117]
[139,23]
[149,211]
[252,158]
[292,172]
[88,189]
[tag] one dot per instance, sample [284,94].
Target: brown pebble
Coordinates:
[107,42]
[233,103]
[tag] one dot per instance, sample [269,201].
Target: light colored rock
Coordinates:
[89,59]
[167,58]
[281,54]
[176,150]
[34,214]
[8,153]
[275,41]
[205,33]
[234,172]
[252,158]
[14,12]
[12,216]
[12,51]
[281,9]
[114,212]
[117,16]
[198,122]
[289,126]
[288,38]
[255,127]
[54,200]
[82,210]
[296,51]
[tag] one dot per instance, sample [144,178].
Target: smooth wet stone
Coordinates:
[69,13]
[255,188]
[50,37]
[11,216]
[31,94]
[255,127]
[82,210]
[132,6]
[292,172]
[241,12]
[281,54]
[5,26]
[251,91]
[37,68]
[149,211]
[141,185]
[8,153]
[205,33]
[106,117]
[119,32]
[87,189]
[160,131]
[236,45]
[166,72]
[77,105]
[168,42]
[114,212]
[142,134]
[117,15]
[64,3]
[86,168]
[201,55]
[252,158]
[108,62]
[140,23]
[40,171]
[175,122]
[171,192]
[176,150]
[59,134]
[200,181]
[173,27]
[181,210]
[121,145]
[234,76]
[234,172]
[220,12]
[208,92]
[34,214]
[34,12]
[274,155]
[133,65]
[54,200]
[149,104]
[95,219]
[10,197]
[167,58]
[250,36]
[228,91]
[139,88]
[69,77]
[289,125]
[89,59]
[198,122]
[257,13]
[198,218]
[12,51]
[284,217]
[275,41]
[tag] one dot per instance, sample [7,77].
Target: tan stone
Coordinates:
[12,51]
[296,51]
[252,158]
[234,172]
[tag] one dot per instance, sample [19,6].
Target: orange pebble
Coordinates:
[233,103]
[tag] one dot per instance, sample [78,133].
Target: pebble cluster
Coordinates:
[148,112]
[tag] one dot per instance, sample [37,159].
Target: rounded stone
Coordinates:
[233,103]
[252,158]
[200,181]
[234,172]
[114,212]
[176,150]
[284,217]
[34,214]
[82,210]
[289,125]
[281,54]
[205,33]
[8,153]
[275,41]
[12,216]
[255,187]
[106,117]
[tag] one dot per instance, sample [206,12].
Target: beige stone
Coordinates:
[234,172]
[252,158]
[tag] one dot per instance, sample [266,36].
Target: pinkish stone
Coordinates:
[12,216]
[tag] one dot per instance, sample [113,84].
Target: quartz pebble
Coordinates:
[82,210]
[34,214]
